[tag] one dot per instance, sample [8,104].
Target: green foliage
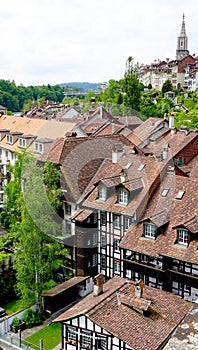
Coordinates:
[16,321]
[32,318]
[37,256]
[167,86]
[17,98]
[130,85]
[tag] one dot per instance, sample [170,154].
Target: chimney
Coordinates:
[165,152]
[126,122]
[117,152]
[139,289]
[123,176]
[171,120]
[98,282]
[93,102]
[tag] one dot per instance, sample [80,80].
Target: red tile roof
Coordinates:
[140,332]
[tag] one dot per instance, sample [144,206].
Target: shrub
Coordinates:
[32,318]
[16,321]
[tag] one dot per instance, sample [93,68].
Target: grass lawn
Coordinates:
[50,334]
[13,307]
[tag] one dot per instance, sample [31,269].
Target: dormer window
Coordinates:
[150,230]
[182,236]
[102,193]
[123,196]
[22,143]
[38,147]
[42,145]
[9,139]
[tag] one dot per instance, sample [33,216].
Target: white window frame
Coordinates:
[116,221]
[183,236]
[123,197]
[117,267]
[149,230]
[86,339]
[72,334]
[102,193]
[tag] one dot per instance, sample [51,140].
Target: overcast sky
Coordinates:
[57,41]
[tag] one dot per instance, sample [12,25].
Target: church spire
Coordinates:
[182,42]
[183,28]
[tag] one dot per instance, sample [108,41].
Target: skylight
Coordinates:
[164,192]
[180,194]
[141,167]
[128,165]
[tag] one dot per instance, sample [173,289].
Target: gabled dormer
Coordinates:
[3,133]
[154,225]
[12,137]
[25,140]
[42,145]
[122,195]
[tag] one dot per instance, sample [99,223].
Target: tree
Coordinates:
[38,256]
[167,86]
[130,85]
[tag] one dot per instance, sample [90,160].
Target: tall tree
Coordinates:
[130,85]
[167,86]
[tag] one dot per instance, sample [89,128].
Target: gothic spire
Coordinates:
[183,28]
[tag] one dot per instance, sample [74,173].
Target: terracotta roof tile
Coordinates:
[140,332]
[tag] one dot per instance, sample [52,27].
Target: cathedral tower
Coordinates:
[182,42]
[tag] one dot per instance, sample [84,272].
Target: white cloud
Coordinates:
[47,41]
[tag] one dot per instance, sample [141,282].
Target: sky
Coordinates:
[57,41]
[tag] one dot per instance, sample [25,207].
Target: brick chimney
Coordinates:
[98,282]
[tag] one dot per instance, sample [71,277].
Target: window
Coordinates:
[116,221]
[149,230]
[103,262]
[180,194]
[116,266]
[94,260]
[86,339]
[102,193]
[103,241]
[36,147]
[9,139]
[179,161]
[127,223]
[103,218]
[72,335]
[101,342]
[123,197]
[182,236]
[116,245]
[22,143]
[164,192]
[94,238]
